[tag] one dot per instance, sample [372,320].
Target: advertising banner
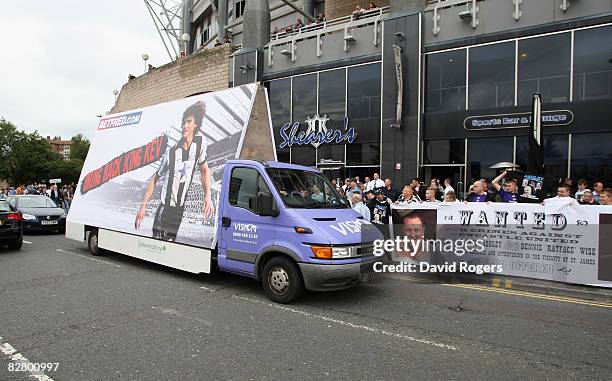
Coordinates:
[559,241]
[156,171]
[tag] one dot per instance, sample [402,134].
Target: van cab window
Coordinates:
[244,186]
[304,189]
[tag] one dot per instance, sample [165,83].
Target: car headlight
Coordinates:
[64,215]
[27,216]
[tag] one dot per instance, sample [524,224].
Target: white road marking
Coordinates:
[8,350]
[91,259]
[349,324]
[208,289]
[24,241]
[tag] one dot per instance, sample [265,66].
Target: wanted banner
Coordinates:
[560,240]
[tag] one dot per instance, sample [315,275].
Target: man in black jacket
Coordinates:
[56,195]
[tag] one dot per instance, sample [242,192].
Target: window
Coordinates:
[4,207]
[592,158]
[304,106]
[491,76]
[544,68]
[304,189]
[240,8]
[244,186]
[280,112]
[555,159]
[484,152]
[363,111]
[332,103]
[445,81]
[330,153]
[592,65]
[450,151]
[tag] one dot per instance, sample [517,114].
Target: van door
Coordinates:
[244,232]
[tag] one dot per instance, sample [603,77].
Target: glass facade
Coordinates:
[572,66]
[444,151]
[280,112]
[349,97]
[544,68]
[484,152]
[446,81]
[332,103]
[592,157]
[592,66]
[304,105]
[363,112]
[491,76]
[543,65]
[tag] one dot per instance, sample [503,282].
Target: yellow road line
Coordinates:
[509,291]
[533,295]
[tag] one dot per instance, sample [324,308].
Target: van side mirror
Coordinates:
[265,203]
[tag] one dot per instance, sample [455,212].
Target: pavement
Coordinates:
[116,317]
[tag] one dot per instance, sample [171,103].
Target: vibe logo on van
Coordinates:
[349,227]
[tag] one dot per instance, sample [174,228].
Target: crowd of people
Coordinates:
[373,197]
[62,196]
[299,24]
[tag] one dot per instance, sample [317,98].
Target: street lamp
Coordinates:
[185,38]
[115,93]
[145,57]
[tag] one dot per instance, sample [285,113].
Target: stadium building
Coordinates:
[409,87]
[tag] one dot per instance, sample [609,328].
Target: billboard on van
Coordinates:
[156,171]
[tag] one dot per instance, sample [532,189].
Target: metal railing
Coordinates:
[319,30]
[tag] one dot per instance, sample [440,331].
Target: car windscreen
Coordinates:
[4,207]
[304,189]
[35,202]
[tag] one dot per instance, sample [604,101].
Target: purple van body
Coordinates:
[246,238]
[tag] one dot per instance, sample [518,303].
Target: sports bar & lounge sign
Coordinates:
[517,120]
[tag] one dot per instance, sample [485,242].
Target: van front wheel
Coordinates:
[282,280]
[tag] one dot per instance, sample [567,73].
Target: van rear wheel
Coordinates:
[92,243]
[282,280]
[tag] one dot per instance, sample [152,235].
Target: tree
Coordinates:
[67,170]
[79,148]
[23,156]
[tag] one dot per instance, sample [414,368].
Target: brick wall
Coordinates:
[339,8]
[208,70]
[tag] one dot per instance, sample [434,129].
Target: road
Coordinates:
[114,317]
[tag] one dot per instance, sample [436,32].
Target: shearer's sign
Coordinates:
[316,134]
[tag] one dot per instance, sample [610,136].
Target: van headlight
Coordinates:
[27,216]
[328,252]
[341,252]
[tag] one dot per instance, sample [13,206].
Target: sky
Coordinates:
[61,60]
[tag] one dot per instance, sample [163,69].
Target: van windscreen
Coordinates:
[304,189]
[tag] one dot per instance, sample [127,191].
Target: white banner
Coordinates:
[559,241]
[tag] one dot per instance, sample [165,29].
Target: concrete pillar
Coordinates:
[222,19]
[309,7]
[256,26]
